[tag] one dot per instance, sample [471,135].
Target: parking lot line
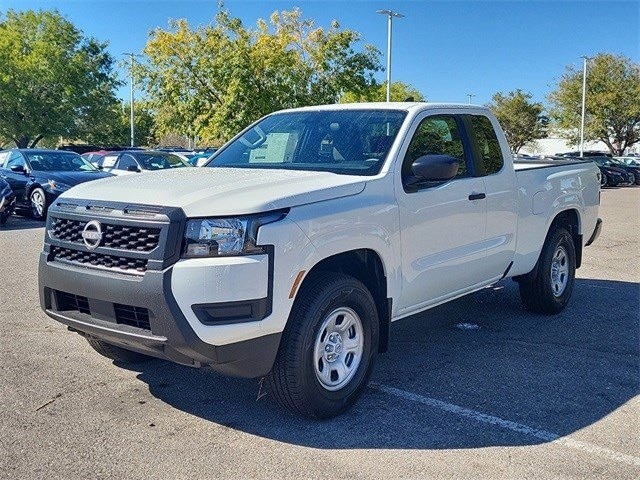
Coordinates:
[509,425]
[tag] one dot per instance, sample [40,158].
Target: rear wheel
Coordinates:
[328,348]
[117,353]
[603,180]
[550,289]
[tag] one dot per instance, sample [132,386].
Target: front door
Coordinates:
[442,226]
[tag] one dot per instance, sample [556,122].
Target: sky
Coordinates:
[446,49]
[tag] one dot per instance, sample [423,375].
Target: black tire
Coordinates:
[117,353]
[293,381]
[38,204]
[544,292]
[604,181]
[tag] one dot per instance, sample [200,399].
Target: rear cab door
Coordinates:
[494,164]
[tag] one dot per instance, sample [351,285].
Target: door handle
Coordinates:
[477,196]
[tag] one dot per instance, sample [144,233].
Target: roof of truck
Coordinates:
[386,106]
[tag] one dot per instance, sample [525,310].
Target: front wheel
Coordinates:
[550,289]
[38,204]
[328,348]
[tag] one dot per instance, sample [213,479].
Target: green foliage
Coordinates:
[116,129]
[521,119]
[400,92]
[215,80]
[53,81]
[612,102]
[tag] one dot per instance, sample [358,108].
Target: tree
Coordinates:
[53,81]
[214,80]
[521,119]
[115,128]
[400,92]
[612,102]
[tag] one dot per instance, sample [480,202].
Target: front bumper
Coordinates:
[141,313]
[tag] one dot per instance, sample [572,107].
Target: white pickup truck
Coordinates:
[306,235]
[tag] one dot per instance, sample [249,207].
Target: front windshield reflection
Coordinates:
[350,142]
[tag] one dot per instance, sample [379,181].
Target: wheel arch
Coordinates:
[367,266]
[568,219]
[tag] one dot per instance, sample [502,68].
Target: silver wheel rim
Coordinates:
[338,348]
[37,202]
[559,271]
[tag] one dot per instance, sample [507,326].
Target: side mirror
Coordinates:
[18,169]
[132,168]
[433,168]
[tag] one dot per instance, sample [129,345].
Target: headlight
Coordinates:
[212,237]
[61,187]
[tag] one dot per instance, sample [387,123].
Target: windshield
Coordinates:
[348,142]
[159,161]
[602,161]
[59,162]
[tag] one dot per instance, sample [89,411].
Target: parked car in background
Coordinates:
[614,173]
[632,169]
[585,153]
[135,161]
[199,159]
[95,157]
[633,161]
[7,201]
[37,177]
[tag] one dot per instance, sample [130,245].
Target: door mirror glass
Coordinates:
[133,168]
[18,169]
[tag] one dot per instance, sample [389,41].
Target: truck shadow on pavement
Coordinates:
[559,374]
[16,222]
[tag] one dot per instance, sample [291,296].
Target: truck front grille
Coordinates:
[123,237]
[135,239]
[94,259]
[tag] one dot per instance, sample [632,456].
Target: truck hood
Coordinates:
[220,191]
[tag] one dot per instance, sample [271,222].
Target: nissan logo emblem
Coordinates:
[92,234]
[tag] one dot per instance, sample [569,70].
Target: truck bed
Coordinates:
[521,164]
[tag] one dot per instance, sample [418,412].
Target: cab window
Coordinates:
[436,135]
[487,144]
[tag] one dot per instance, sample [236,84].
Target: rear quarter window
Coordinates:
[487,144]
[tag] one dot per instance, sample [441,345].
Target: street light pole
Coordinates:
[390,14]
[470,95]
[584,98]
[131,55]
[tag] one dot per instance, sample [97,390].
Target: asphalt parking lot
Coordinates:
[477,388]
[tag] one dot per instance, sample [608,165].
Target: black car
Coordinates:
[613,175]
[633,169]
[7,201]
[37,177]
